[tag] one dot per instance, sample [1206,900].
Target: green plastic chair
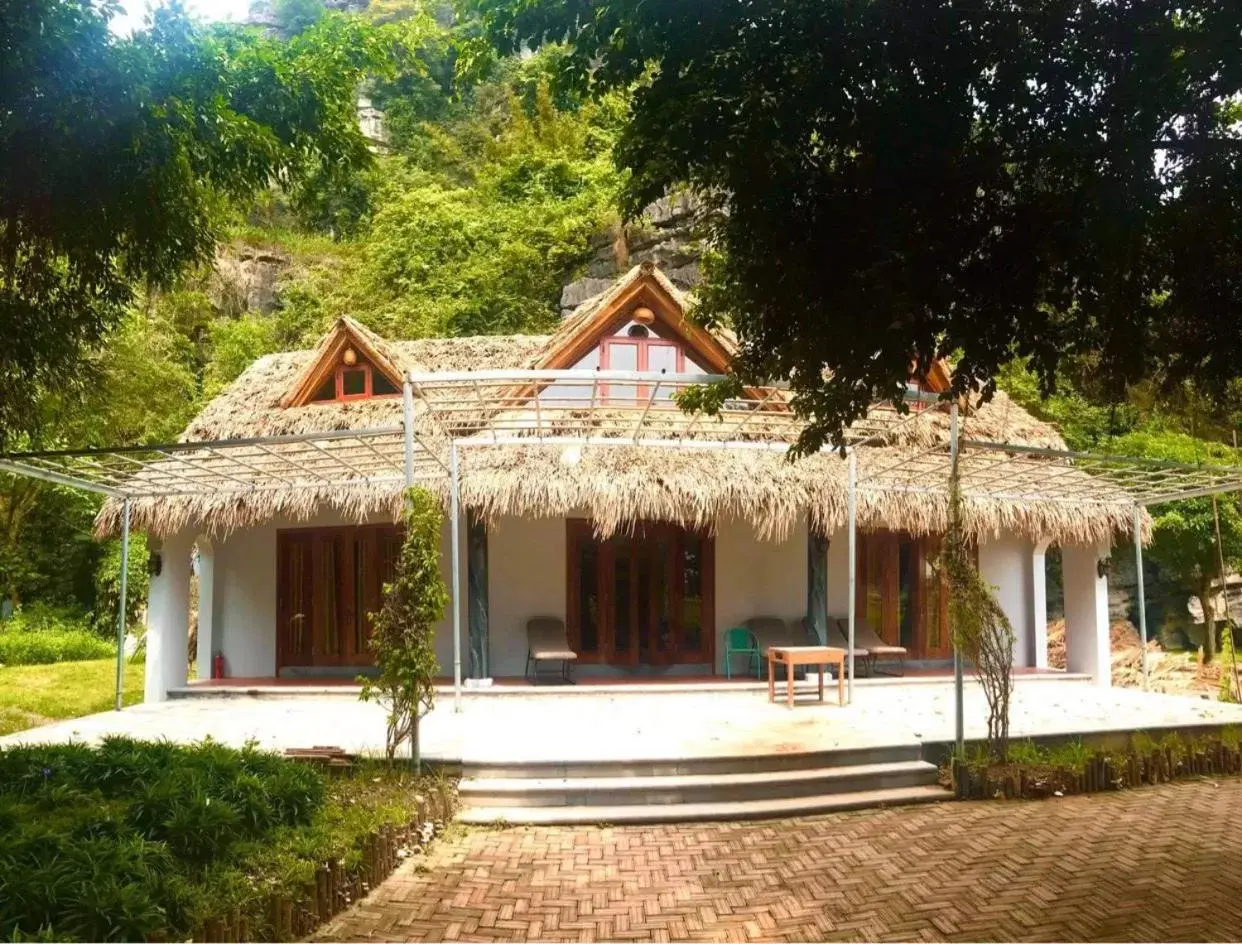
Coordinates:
[740,641]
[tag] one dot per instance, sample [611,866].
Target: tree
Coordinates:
[1184,532]
[404,629]
[901,179]
[119,154]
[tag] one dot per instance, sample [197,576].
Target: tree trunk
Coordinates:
[1209,623]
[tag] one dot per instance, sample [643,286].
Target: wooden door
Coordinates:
[330,584]
[934,641]
[645,597]
[295,590]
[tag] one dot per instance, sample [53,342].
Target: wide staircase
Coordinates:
[706,788]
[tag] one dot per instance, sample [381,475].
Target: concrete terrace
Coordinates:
[617,725]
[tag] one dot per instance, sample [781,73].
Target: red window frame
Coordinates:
[644,346]
[366,384]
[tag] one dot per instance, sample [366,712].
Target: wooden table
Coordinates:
[791,656]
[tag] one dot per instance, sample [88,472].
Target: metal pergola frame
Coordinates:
[226,468]
[593,408]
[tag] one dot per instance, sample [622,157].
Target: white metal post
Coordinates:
[120,617]
[959,709]
[850,605]
[1142,601]
[407,394]
[456,529]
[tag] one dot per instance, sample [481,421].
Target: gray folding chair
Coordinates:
[548,641]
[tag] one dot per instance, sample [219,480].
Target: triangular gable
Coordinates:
[644,286]
[369,351]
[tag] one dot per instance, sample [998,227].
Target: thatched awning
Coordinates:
[628,458]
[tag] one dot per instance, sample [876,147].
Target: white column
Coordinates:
[207,643]
[1086,612]
[1039,605]
[168,618]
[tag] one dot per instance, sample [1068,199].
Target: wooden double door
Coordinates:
[329,582]
[643,598]
[901,593]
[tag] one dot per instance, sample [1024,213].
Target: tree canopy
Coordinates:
[903,179]
[118,153]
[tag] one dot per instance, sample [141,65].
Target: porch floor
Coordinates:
[611,725]
[590,684]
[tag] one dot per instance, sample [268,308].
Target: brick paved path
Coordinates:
[1150,864]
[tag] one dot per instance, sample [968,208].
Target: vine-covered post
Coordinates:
[404,634]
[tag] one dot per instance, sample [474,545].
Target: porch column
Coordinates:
[1039,603]
[206,610]
[168,618]
[476,591]
[1086,611]
[817,584]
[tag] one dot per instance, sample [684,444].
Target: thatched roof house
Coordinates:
[647,530]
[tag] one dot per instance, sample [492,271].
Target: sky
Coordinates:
[135,11]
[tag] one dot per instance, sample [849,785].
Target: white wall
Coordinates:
[759,578]
[839,574]
[526,577]
[1006,563]
[168,618]
[1086,612]
[244,611]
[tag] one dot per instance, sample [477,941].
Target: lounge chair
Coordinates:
[547,641]
[771,631]
[835,638]
[877,649]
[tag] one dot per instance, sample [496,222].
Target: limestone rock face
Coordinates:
[246,279]
[665,235]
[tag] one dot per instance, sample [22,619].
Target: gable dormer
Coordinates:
[350,363]
[640,324]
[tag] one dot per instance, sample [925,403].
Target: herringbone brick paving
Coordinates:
[1150,864]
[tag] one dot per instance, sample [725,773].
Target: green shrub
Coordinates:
[38,634]
[133,840]
[19,647]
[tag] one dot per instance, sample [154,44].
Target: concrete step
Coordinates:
[614,791]
[690,766]
[698,812]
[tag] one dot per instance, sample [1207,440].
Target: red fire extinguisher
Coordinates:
[217,666]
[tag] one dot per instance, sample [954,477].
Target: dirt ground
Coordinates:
[1174,673]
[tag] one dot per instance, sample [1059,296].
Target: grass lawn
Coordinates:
[31,695]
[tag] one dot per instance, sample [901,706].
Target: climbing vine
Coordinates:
[404,634]
[981,631]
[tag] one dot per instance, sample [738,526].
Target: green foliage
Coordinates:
[404,633]
[476,223]
[235,344]
[1184,532]
[108,585]
[294,16]
[119,178]
[40,634]
[917,179]
[132,840]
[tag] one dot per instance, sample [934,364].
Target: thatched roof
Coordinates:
[617,485]
[251,405]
